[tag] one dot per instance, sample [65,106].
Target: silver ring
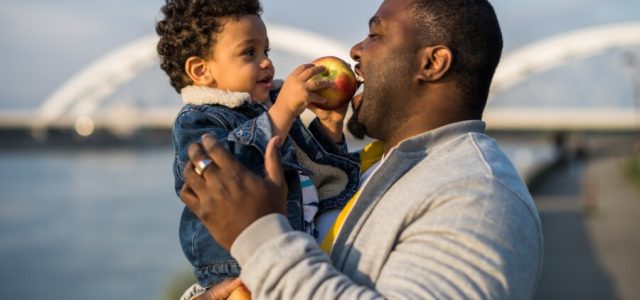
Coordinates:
[201,166]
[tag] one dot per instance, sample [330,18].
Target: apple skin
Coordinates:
[240,293]
[344,82]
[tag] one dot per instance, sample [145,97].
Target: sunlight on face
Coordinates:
[240,60]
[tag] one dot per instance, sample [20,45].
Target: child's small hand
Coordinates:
[332,120]
[298,92]
[335,116]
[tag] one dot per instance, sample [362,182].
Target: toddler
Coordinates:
[216,55]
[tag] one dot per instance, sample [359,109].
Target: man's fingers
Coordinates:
[199,158]
[193,182]
[195,153]
[198,186]
[191,176]
[188,197]
[218,154]
[222,290]
[272,162]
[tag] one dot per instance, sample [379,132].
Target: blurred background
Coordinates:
[87,204]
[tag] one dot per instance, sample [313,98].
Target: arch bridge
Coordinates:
[76,102]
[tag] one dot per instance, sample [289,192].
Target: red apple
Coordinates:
[240,293]
[343,78]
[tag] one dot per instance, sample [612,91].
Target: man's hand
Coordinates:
[221,291]
[227,198]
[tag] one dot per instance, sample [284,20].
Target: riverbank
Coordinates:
[614,223]
[590,213]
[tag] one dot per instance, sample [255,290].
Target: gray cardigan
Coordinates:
[444,217]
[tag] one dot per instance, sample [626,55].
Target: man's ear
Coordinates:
[199,71]
[435,62]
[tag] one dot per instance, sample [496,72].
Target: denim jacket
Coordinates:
[244,128]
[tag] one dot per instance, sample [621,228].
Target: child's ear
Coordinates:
[199,71]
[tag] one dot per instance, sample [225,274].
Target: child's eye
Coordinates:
[249,52]
[266,51]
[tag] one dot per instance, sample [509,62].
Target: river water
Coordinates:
[102,223]
[88,224]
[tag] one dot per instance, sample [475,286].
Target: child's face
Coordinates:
[240,62]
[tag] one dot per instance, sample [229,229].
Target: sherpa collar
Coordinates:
[199,95]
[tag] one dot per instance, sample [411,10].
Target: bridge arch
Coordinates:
[552,52]
[83,92]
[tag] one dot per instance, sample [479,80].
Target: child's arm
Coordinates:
[296,94]
[192,123]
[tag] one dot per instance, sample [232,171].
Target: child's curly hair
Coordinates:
[188,29]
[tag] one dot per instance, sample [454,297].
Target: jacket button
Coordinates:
[239,133]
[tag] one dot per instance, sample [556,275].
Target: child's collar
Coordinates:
[199,95]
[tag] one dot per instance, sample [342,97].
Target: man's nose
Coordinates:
[356,51]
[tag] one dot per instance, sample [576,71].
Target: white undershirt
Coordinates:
[310,203]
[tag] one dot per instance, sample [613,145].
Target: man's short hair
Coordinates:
[470,29]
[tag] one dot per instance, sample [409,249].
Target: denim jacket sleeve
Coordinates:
[316,130]
[245,138]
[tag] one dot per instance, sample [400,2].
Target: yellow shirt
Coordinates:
[369,156]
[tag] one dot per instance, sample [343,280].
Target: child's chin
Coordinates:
[261,98]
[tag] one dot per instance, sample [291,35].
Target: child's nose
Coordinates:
[266,63]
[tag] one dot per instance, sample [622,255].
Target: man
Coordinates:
[444,215]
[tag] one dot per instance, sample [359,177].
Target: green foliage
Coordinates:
[632,170]
[178,284]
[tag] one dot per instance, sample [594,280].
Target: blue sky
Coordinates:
[43,43]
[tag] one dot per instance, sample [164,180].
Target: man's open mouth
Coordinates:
[359,77]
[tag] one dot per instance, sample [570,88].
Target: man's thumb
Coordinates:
[272,163]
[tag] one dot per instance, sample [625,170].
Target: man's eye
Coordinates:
[372,35]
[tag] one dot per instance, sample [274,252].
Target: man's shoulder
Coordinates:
[473,162]
[469,174]
[471,153]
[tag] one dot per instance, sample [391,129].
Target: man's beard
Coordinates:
[356,128]
[382,112]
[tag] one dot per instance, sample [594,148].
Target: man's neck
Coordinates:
[418,126]
[434,106]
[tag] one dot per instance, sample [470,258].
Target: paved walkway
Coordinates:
[591,219]
[615,224]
